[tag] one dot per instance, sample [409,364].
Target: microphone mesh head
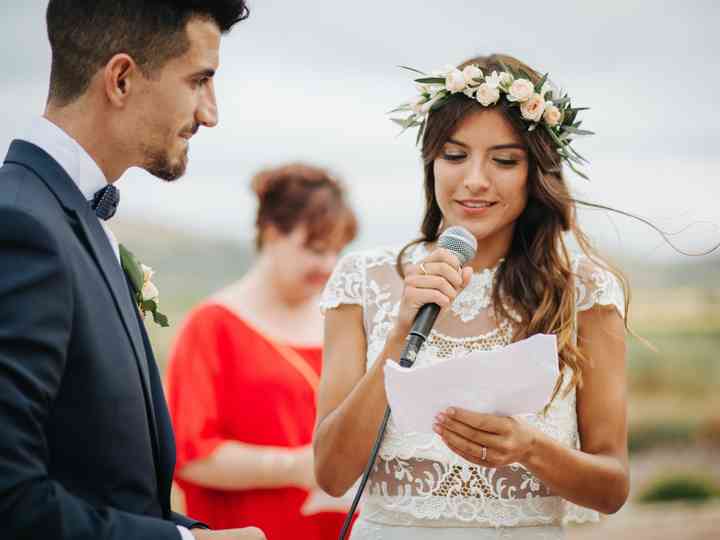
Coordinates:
[460,241]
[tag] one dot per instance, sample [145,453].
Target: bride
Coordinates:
[494,136]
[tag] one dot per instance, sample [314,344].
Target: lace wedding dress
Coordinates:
[419,488]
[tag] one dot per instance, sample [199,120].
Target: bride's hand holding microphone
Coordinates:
[437,279]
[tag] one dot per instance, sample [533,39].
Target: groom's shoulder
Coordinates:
[22,190]
[27,207]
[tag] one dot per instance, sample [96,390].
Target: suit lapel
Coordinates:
[115,278]
[66,191]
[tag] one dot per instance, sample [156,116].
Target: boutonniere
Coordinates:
[146,293]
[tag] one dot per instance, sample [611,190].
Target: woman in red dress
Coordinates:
[244,370]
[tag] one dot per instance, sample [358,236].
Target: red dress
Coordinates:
[226,381]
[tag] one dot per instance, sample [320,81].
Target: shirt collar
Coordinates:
[72,157]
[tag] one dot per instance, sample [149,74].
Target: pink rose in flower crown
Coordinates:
[521,90]
[552,115]
[533,108]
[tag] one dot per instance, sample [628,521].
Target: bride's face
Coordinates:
[481,177]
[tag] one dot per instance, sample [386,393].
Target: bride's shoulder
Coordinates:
[596,283]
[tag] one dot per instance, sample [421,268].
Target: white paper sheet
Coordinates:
[517,379]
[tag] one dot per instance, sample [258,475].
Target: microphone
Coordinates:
[461,243]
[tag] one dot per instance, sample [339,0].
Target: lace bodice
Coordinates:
[417,480]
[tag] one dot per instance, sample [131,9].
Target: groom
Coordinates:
[86,447]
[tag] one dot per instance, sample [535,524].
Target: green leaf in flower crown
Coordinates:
[402,108]
[132,268]
[568,156]
[404,122]
[577,131]
[539,85]
[560,101]
[412,69]
[430,80]
[576,170]
[420,133]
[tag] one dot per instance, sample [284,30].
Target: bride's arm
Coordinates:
[598,475]
[351,400]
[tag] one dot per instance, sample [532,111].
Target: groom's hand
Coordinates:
[248,533]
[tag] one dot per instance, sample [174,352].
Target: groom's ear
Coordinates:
[119,77]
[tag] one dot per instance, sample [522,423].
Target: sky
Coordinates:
[313,81]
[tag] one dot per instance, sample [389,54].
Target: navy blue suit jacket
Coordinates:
[86,445]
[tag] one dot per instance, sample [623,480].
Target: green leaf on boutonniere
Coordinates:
[132,268]
[160,319]
[152,307]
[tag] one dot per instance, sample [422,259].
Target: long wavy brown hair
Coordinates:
[536,279]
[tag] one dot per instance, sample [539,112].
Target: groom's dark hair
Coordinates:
[85,34]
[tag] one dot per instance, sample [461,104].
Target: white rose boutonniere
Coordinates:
[147,295]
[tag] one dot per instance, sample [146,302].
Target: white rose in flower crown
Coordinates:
[533,108]
[521,90]
[150,291]
[471,73]
[552,115]
[499,80]
[493,80]
[455,81]
[487,95]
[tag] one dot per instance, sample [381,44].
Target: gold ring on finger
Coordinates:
[483,455]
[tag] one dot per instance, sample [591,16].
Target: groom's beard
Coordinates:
[158,163]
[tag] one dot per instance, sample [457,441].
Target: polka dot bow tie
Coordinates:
[105,202]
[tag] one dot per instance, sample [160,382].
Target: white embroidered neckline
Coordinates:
[477,296]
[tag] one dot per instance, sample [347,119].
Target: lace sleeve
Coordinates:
[346,284]
[596,285]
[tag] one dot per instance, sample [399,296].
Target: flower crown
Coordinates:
[539,104]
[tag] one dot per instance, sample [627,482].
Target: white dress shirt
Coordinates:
[72,157]
[86,174]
